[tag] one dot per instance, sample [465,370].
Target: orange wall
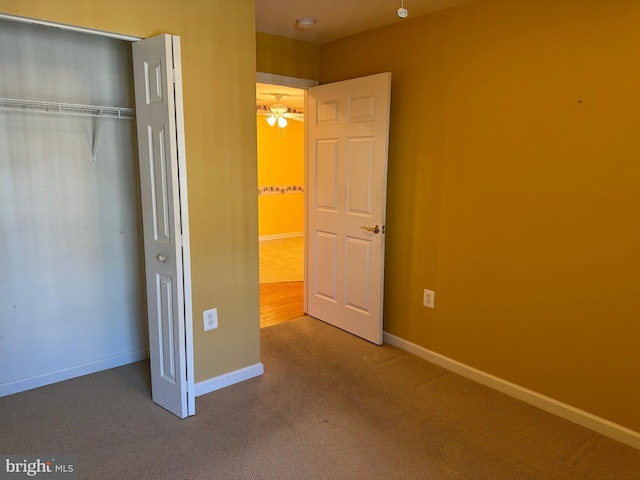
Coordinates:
[280,163]
[513,191]
[281,214]
[218,65]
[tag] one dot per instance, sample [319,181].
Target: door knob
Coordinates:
[374,229]
[161,257]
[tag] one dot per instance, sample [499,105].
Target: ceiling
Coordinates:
[337,18]
[291,97]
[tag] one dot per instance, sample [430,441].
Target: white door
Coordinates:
[158,91]
[348,131]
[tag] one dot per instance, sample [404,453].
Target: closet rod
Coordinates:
[66,108]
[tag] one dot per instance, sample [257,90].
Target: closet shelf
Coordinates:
[70,109]
[66,108]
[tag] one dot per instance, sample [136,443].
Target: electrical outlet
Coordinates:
[428,298]
[210,319]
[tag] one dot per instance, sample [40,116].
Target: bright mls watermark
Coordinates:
[51,467]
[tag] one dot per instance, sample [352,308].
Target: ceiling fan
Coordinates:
[279,113]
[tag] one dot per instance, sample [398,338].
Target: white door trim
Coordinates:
[285,81]
[186,238]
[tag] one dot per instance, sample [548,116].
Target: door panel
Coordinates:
[164,293]
[362,108]
[326,175]
[325,278]
[358,274]
[360,159]
[159,165]
[327,111]
[347,174]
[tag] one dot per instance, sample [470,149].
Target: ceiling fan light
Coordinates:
[282,122]
[271,120]
[278,109]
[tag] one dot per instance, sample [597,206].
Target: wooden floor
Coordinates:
[280,302]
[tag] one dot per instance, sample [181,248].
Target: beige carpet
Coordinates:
[282,260]
[329,406]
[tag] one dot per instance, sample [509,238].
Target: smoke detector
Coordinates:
[305,23]
[402,12]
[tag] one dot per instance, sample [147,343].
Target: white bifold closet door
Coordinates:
[157,79]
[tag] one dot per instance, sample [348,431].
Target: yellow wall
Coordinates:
[285,56]
[218,63]
[280,163]
[514,191]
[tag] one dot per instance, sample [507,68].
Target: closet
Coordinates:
[72,295]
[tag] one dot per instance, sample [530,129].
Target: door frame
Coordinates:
[188,299]
[303,84]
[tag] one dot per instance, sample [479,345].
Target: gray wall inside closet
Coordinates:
[72,294]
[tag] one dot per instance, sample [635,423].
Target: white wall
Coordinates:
[71,262]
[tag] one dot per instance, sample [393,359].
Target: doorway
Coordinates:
[281,145]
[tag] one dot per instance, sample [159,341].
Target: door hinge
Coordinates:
[173,75]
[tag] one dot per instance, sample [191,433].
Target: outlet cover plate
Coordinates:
[428,298]
[210,319]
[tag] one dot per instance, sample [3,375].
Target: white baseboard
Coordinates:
[575,415]
[231,378]
[23,384]
[278,236]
